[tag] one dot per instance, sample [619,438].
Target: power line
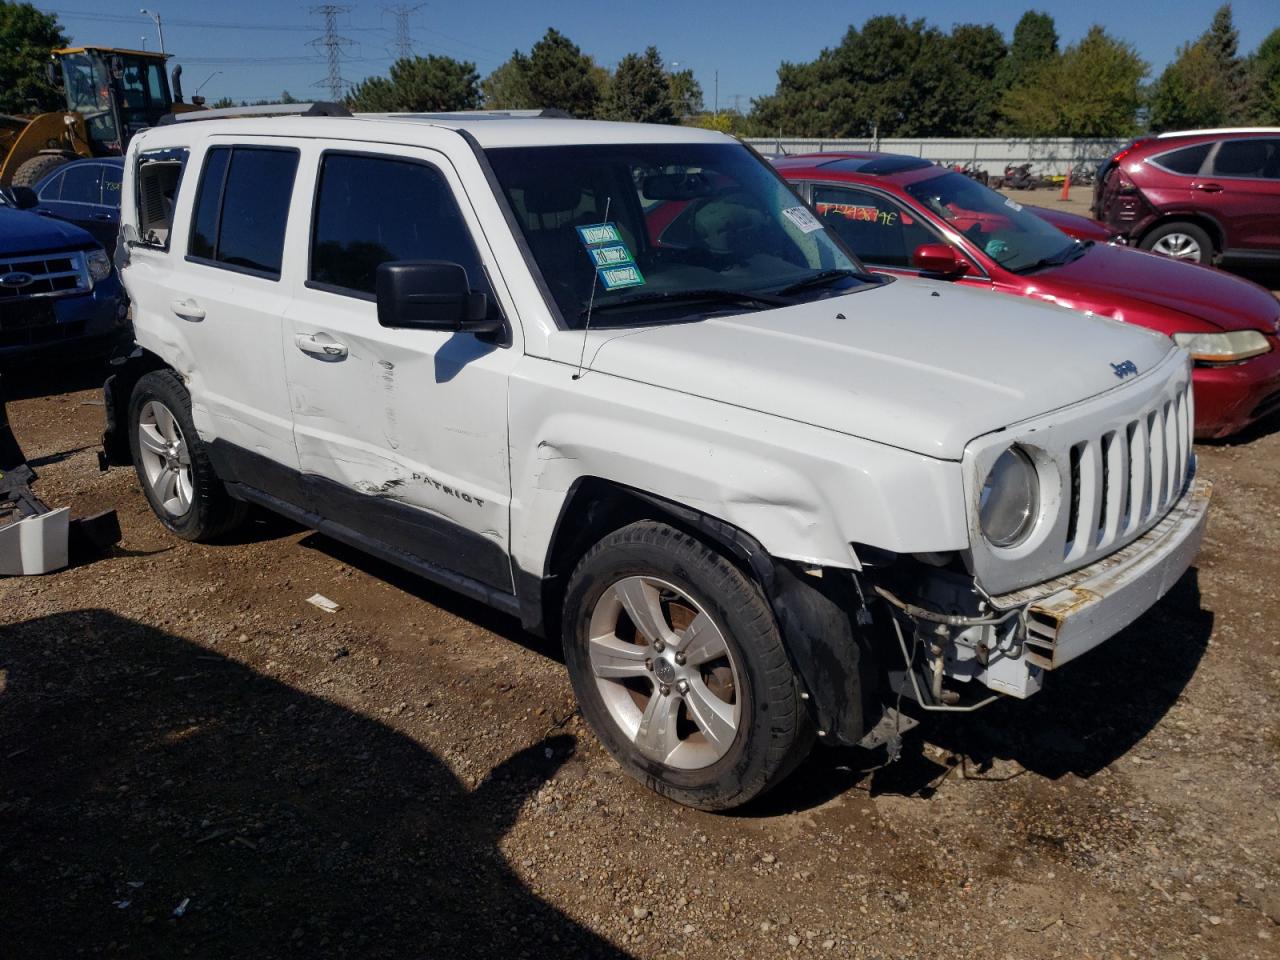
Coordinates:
[332,45]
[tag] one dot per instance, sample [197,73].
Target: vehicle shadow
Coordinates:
[161,800]
[1090,713]
[24,380]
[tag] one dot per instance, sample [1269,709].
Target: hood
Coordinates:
[914,364]
[23,233]
[1108,279]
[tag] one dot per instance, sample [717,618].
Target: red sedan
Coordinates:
[907,216]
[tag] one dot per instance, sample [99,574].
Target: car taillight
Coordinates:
[1125,151]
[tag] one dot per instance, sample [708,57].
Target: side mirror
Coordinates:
[431,295]
[52,74]
[940,258]
[24,198]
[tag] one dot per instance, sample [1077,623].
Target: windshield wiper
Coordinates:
[1063,256]
[692,296]
[822,278]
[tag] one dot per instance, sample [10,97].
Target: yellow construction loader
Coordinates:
[111,94]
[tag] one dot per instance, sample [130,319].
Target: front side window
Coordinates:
[659,232]
[157,178]
[1015,238]
[879,231]
[82,183]
[1255,159]
[242,208]
[52,187]
[372,210]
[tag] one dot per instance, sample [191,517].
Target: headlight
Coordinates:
[1222,347]
[1010,499]
[99,264]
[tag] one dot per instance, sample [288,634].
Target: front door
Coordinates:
[401,433]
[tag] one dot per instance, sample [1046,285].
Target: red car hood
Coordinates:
[1116,281]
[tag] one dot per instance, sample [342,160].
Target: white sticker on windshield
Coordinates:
[805,221]
[1012,204]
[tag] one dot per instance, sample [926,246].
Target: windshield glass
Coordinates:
[1013,237]
[648,233]
[88,89]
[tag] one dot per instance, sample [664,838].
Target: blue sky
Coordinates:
[260,46]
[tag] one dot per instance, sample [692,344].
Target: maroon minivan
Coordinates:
[1201,195]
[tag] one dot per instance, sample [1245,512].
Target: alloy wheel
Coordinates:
[166,462]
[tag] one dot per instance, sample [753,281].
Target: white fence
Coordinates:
[1048,156]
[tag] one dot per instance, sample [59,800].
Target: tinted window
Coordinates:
[50,190]
[371,210]
[875,228]
[1186,161]
[244,226]
[82,184]
[204,224]
[1245,158]
[111,186]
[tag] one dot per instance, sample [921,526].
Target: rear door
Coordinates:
[1242,188]
[402,433]
[215,302]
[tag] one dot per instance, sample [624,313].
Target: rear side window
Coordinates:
[1254,158]
[82,184]
[111,185]
[242,208]
[372,210]
[1186,161]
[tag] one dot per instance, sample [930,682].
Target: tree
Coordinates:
[554,74]
[978,53]
[1092,89]
[1265,66]
[686,93]
[640,90]
[1035,42]
[1207,84]
[27,38]
[420,85]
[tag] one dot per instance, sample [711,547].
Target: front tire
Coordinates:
[1179,241]
[173,462]
[680,669]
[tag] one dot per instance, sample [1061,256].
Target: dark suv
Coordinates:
[1204,195]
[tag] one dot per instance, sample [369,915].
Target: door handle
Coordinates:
[1209,187]
[105,217]
[326,349]
[187,309]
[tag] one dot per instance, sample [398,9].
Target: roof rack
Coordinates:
[541,113]
[321,108]
[1215,130]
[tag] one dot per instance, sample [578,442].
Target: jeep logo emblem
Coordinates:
[1125,368]
[16,280]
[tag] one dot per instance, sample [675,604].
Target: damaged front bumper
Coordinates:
[1016,637]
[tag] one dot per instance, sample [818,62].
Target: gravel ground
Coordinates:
[196,762]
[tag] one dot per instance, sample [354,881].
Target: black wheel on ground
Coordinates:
[1179,241]
[173,462]
[32,171]
[678,665]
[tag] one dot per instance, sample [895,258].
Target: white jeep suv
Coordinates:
[619,381]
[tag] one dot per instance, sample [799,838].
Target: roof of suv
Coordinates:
[488,130]
[1219,132]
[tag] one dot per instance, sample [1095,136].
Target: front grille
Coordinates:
[30,323]
[51,276]
[1125,477]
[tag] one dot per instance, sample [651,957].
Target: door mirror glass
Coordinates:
[940,258]
[431,295]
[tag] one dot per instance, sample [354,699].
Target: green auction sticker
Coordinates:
[599,233]
[615,278]
[614,255]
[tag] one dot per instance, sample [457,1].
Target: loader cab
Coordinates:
[118,92]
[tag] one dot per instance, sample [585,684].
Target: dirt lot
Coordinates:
[195,762]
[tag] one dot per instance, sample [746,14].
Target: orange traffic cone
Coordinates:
[1066,186]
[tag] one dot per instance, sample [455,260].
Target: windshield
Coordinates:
[1000,227]
[88,89]
[648,233]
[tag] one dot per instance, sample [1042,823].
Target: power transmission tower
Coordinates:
[402,45]
[332,45]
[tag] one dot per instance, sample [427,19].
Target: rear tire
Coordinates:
[1179,241]
[32,171]
[692,693]
[173,463]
